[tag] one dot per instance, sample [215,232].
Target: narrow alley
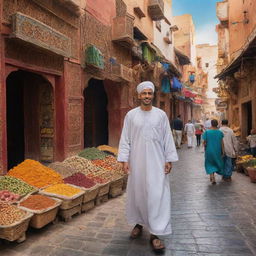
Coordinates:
[207,220]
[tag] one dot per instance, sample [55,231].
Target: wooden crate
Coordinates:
[88,206]
[125,181]
[43,217]
[101,199]
[16,231]
[67,214]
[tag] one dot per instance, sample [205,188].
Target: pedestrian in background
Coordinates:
[213,143]
[147,150]
[177,129]
[207,124]
[230,150]
[190,132]
[198,132]
[252,142]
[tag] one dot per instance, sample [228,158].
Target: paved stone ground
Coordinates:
[207,220]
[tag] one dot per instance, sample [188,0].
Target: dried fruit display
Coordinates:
[107,148]
[10,214]
[63,169]
[15,185]
[35,174]
[8,197]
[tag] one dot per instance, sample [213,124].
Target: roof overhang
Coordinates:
[183,59]
[248,51]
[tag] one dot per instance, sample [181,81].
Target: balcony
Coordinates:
[122,72]
[94,57]
[122,30]
[222,12]
[139,9]
[156,9]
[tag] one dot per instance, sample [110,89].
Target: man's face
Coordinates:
[146,97]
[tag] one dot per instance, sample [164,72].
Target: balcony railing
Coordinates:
[122,72]
[122,30]
[156,9]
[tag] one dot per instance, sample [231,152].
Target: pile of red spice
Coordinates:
[79,179]
[38,202]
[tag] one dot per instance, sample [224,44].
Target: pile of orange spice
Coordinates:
[38,202]
[35,174]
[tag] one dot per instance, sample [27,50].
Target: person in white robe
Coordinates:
[147,150]
[190,132]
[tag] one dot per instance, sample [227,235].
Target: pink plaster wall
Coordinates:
[104,11]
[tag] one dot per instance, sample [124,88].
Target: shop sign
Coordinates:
[35,32]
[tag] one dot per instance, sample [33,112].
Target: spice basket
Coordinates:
[88,206]
[116,187]
[17,230]
[42,217]
[67,202]
[252,173]
[125,181]
[90,193]
[67,214]
[103,189]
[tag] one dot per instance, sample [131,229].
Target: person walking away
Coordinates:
[252,142]
[147,150]
[177,128]
[190,132]
[230,150]
[198,132]
[213,143]
[207,124]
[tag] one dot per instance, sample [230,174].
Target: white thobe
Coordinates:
[190,130]
[147,144]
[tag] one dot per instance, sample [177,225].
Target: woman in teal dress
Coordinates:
[213,151]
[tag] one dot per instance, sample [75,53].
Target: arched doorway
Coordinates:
[95,114]
[30,118]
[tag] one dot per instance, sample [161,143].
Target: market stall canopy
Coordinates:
[182,58]
[246,52]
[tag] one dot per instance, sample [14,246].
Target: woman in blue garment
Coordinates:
[213,142]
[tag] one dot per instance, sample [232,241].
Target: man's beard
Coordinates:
[149,102]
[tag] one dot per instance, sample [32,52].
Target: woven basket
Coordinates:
[43,217]
[252,173]
[91,194]
[125,181]
[103,189]
[16,230]
[67,202]
[88,206]
[116,187]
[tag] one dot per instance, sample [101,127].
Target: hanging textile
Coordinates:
[148,54]
[176,84]
[165,85]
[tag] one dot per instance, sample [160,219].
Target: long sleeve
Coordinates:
[125,143]
[168,143]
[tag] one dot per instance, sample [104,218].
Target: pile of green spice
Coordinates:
[15,185]
[92,153]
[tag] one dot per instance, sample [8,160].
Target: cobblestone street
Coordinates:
[207,220]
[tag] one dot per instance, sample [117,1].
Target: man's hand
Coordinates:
[126,168]
[167,168]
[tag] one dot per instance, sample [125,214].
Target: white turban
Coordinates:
[145,85]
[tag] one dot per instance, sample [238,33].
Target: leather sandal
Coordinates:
[136,232]
[157,244]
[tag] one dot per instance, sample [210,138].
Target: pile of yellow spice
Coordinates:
[35,174]
[63,190]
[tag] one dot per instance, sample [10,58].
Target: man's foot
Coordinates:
[212,179]
[156,243]
[136,232]
[228,179]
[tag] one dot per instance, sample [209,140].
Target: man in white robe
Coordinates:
[147,151]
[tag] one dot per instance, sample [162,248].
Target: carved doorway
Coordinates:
[30,118]
[95,114]
[246,118]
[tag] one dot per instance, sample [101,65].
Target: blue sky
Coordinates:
[204,16]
